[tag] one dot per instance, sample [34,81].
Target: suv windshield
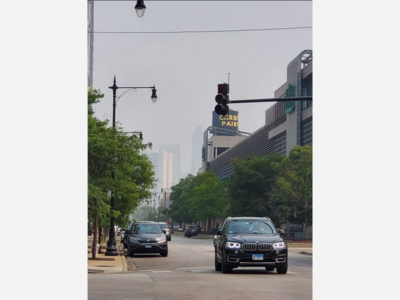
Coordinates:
[250,227]
[147,228]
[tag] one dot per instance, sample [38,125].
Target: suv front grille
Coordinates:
[147,240]
[249,247]
[253,247]
[264,247]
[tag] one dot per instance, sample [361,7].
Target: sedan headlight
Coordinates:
[232,245]
[161,239]
[279,246]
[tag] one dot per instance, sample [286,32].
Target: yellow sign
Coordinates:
[229,120]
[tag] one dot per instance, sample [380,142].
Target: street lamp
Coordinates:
[111,244]
[140,8]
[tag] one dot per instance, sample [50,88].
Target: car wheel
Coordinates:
[269,268]
[169,239]
[131,253]
[224,267]
[164,254]
[125,245]
[282,269]
[217,264]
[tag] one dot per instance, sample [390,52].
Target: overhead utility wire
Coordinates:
[202,31]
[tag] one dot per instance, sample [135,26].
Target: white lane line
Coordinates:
[195,268]
[161,271]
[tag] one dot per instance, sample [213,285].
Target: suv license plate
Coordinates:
[147,246]
[258,256]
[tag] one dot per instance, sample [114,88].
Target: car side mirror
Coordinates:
[127,231]
[219,232]
[165,231]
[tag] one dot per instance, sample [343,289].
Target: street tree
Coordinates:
[111,151]
[295,185]
[180,207]
[207,198]
[251,185]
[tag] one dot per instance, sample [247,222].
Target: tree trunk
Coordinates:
[96,221]
[306,219]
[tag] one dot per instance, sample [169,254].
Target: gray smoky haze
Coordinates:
[187,64]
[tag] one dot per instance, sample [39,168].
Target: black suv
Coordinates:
[250,242]
[147,237]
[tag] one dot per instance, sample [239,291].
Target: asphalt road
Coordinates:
[188,273]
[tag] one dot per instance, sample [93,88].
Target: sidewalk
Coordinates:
[106,264]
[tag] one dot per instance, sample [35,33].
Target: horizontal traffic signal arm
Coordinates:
[272,99]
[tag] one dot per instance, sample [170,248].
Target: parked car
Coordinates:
[167,230]
[177,228]
[122,235]
[147,237]
[250,242]
[191,231]
[126,234]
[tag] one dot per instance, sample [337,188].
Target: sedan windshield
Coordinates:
[147,229]
[250,227]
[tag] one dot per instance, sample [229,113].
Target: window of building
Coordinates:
[306,132]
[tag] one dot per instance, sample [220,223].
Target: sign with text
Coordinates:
[230,122]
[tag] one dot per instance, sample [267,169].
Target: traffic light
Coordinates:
[222,99]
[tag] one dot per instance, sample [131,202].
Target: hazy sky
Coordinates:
[187,67]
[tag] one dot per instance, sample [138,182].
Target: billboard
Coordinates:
[229,122]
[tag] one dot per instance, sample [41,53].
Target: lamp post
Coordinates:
[140,8]
[111,244]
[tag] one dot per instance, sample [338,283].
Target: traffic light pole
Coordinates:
[272,100]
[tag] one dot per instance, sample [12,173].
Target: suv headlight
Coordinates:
[134,239]
[232,245]
[161,239]
[279,246]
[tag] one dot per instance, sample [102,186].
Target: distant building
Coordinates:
[166,168]
[174,162]
[153,156]
[197,141]
[225,134]
[287,124]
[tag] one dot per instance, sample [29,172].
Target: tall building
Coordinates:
[90,11]
[166,168]
[287,124]
[153,156]
[197,141]
[175,161]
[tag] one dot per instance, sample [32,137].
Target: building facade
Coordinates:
[287,124]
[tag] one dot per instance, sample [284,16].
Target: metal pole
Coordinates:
[111,244]
[272,100]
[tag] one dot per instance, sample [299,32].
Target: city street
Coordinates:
[188,272]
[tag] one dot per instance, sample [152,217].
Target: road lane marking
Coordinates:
[195,268]
[161,271]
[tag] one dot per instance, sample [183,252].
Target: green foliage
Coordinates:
[180,207]
[251,185]
[110,151]
[295,184]
[198,198]
[275,186]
